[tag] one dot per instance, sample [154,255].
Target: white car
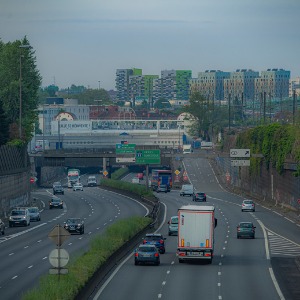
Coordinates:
[248,205]
[78,187]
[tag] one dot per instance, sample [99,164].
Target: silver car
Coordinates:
[248,205]
[78,187]
[173,225]
[34,214]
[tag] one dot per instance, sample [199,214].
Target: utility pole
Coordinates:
[229,112]
[264,99]
[294,106]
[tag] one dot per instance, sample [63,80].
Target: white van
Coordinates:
[92,181]
[187,189]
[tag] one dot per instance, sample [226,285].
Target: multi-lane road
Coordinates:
[24,251]
[241,268]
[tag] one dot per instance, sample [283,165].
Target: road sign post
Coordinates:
[239,152]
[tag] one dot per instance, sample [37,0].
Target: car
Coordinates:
[245,229]
[34,214]
[187,189]
[56,202]
[199,196]
[58,188]
[19,216]
[162,188]
[78,186]
[157,240]
[74,225]
[146,254]
[2,227]
[173,225]
[154,186]
[248,205]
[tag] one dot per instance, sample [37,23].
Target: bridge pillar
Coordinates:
[104,163]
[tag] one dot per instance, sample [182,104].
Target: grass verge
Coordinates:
[81,269]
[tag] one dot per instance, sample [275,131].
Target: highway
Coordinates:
[241,268]
[25,250]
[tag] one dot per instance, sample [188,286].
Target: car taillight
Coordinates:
[144,241]
[181,253]
[161,241]
[136,254]
[207,254]
[156,254]
[238,229]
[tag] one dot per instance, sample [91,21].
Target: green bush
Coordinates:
[119,173]
[81,269]
[138,189]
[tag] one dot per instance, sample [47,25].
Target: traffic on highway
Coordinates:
[243,265]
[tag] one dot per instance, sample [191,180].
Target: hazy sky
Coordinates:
[83,41]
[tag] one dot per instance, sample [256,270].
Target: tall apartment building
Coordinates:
[273,82]
[240,86]
[173,85]
[122,82]
[210,84]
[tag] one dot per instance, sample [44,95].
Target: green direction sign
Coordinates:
[145,157]
[125,148]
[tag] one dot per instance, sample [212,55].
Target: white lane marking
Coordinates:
[164,283]
[265,238]
[30,267]
[281,297]
[44,258]
[289,219]
[275,212]
[26,247]
[10,254]
[14,277]
[126,259]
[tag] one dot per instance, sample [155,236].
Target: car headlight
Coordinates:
[10,218]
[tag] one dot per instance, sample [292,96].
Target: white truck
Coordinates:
[196,226]
[187,149]
[92,181]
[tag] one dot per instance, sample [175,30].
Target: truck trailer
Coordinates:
[196,226]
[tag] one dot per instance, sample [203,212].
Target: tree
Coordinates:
[4,132]
[209,118]
[12,57]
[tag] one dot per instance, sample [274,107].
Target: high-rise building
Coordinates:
[273,82]
[210,84]
[122,82]
[240,86]
[294,86]
[173,85]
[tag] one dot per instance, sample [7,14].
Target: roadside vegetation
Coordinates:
[82,268]
[277,143]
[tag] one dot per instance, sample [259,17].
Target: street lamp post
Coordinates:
[20,98]
[99,84]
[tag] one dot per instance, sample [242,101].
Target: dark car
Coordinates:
[155,239]
[246,229]
[58,188]
[34,214]
[74,225]
[199,196]
[146,254]
[56,202]
[2,227]
[163,188]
